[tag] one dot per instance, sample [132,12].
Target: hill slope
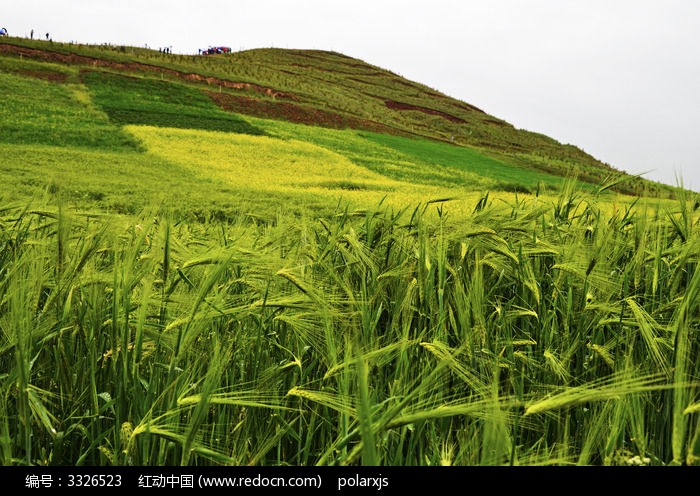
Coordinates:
[326,89]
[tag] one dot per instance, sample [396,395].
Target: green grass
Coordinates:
[132,100]
[34,111]
[418,160]
[437,156]
[37,69]
[117,182]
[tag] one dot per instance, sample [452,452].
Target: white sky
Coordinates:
[618,78]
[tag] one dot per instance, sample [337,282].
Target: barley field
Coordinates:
[536,333]
[183,283]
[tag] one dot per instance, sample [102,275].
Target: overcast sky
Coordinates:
[618,78]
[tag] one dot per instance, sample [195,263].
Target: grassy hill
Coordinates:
[288,257]
[125,85]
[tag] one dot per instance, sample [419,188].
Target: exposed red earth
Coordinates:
[295,113]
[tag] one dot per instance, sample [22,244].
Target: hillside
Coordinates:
[313,87]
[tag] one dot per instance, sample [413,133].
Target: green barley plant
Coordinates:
[535,334]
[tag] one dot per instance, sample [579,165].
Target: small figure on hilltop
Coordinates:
[31,34]
[3,32]
[47,36]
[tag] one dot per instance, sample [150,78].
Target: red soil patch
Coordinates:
[407,106]
[55,77]
[295,113]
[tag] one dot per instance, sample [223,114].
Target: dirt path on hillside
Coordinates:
[407,106]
